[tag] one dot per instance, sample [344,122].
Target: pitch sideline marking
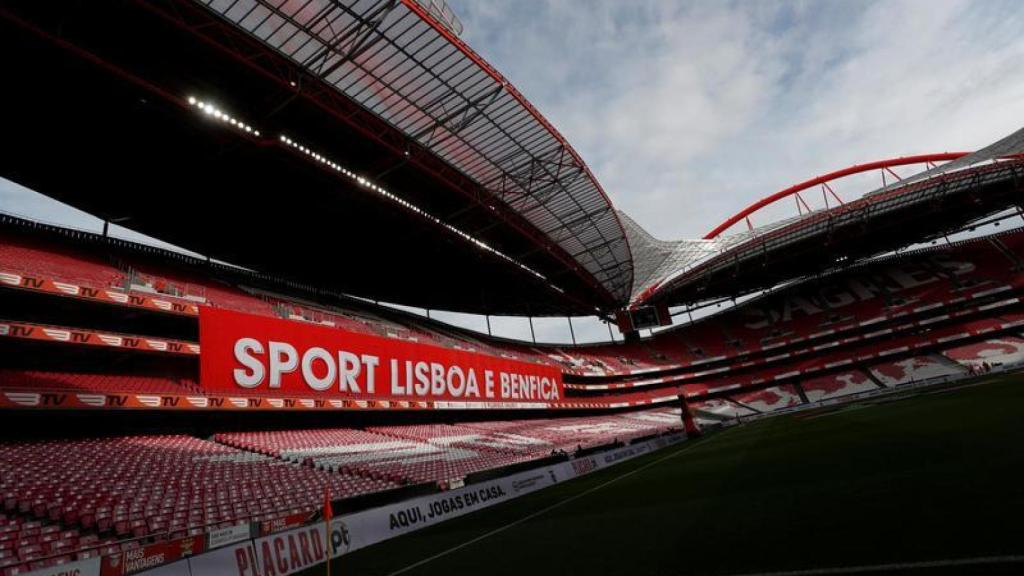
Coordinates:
[558,504]
[900,566]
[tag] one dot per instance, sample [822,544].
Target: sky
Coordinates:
[688,111]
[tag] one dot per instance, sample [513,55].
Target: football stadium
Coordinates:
[826,382]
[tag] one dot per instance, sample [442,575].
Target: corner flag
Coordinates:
[328,514]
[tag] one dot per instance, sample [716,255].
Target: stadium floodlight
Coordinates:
[211,110]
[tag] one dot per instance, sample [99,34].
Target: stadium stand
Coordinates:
[1008,349]
[29,380]
[109,493]
[914,369]
[136,443]
[441,453]
[59,262]
[769,399]
[846,304]
[719,408]
[372,455]
[837,385]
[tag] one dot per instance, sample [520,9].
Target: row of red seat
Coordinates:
[60,263]
[875,292]
[150,486]
[974,357]
[76,498]
[442,452]
[99,383]
[834,349]
[847,302]
[810,369]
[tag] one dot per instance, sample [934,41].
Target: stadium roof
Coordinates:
[394,163]
[388,134]
[399,62]
[929,204]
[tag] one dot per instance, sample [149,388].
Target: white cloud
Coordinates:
[687,112]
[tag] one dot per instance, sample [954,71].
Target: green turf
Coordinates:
[937,476]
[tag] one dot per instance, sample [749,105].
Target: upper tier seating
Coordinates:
[201,288]
[889,289]
[20,256]
[26,380]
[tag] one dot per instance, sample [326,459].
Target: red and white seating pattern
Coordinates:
[914,369]
[770,399]
[995,352]
[373,455]
[464,437]
[444,452]
[837,385]
[567,433]
[720,408]
[667,417]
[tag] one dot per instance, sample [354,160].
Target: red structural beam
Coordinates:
[825,178]
[234,42]
[414,6]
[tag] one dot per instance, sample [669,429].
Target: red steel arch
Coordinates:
[825,178]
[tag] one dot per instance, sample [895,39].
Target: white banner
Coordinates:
[361,529]
[239,559]
[229,535]
[179,568]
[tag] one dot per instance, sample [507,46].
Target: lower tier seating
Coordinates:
[445,452]
[915,369]
[995,352]
[87,495]
[837,385]
[770,399]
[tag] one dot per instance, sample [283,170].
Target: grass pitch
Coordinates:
[935,477]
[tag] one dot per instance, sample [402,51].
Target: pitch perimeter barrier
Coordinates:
[294,543]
